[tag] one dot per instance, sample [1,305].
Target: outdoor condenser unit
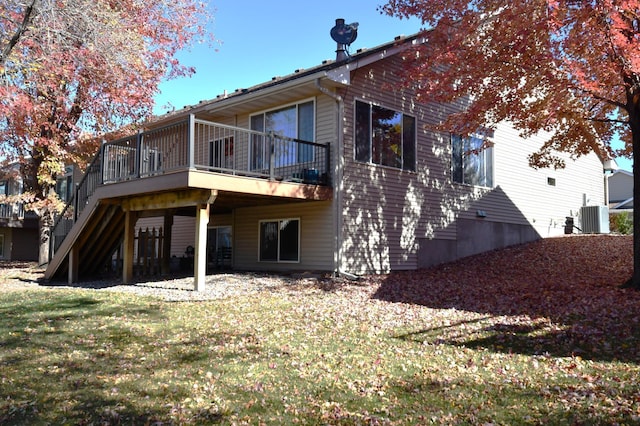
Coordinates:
[595,219]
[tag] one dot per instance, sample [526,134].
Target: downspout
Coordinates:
[339,173]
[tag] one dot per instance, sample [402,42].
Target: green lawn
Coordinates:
[310,354]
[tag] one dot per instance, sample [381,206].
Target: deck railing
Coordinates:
[63,222]
[12,211]
[198,145]
[233,150]
[203,145]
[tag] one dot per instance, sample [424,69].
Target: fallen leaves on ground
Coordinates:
[559,295]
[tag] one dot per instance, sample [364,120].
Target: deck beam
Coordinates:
[169,200]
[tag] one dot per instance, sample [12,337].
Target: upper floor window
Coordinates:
[64,184]
[295,121]
[472,161]
[11,186]
[385,137]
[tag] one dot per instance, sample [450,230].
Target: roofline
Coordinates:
[262,90]
[336,71]
[624,172]
[623,203]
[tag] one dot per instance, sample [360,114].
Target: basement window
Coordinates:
[280,240]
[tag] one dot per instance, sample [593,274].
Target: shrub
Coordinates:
[621,223]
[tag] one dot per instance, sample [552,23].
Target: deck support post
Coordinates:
[74,256]
[200,260]
[166,243]
[130,219]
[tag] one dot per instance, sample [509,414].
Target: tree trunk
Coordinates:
[46,221]
[633,105]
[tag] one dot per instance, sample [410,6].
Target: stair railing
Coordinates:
[63,221]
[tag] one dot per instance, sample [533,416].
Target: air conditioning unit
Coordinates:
[595,219]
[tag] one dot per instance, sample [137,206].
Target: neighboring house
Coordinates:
[328,169]
[620,190]
[18,228]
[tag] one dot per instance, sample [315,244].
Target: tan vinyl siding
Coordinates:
[533,200]
[316,236]
[385,209]
[387,212]
[220,220]
[325,120]
[183,234]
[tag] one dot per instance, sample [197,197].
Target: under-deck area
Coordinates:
[194,168]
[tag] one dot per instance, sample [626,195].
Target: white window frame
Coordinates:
[151,161]
[279,221]
[487,153]
[67,179]
[224,145]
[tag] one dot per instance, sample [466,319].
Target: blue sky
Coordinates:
[259,40]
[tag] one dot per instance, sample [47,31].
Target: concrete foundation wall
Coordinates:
[474,236]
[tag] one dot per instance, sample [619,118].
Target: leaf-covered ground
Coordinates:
[536,334]
[559,296]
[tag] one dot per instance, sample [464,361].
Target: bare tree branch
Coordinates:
[22,28]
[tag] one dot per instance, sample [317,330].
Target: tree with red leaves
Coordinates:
[72,68]
[567,67]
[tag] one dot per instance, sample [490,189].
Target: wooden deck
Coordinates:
[167,170]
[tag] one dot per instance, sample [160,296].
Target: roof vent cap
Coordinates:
[343,34]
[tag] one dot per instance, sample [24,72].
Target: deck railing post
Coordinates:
[191,137]
[52,244]
[76,197]
[272,156]
[138,165]
[102,162]
[327,163]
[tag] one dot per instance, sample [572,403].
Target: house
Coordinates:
[620,190]
[332,168]
[18,227]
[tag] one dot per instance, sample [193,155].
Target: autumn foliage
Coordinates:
[73,68]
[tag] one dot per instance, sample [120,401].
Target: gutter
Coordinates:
[339,174]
